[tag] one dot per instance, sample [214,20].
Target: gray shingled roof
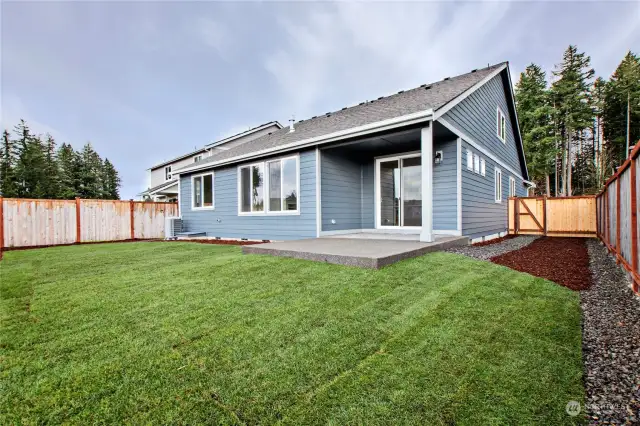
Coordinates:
[428,96]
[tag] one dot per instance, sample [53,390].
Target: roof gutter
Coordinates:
[404,120]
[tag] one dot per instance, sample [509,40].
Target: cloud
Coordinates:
[13,110]
[351,50]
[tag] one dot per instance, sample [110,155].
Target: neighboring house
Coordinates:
[438,159]
[163,184]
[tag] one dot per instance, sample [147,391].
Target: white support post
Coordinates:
[426,149]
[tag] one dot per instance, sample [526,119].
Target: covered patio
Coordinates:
[380,249]
[403,183]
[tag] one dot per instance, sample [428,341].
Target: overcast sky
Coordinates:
[147,81]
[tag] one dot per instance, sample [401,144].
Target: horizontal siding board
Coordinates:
[225,222]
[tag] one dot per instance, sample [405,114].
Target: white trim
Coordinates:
[426,150]
[497,184]
[439,113]
[318,193]
[213,191]
[179,199]
[500,117]
[392,123]
[167,185]
[474,144]
[390,231]
[378,195]
[265,188]
[459,184]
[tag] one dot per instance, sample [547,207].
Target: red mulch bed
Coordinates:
[562,260]
[494,241]
[221,242]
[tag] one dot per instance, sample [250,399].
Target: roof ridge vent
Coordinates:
[446,78]
[361,103]
[474,70]
[423,85]
[381,97]
[402,91]
[343,108]
[427,87]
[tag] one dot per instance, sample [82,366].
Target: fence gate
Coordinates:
[553,216]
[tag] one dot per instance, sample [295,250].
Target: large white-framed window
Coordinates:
[501,125]
[202,191]
[512,187]
[270,187]
[498,186]
[167,173]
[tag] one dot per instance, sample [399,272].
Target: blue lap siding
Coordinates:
[476,117]
[225,222]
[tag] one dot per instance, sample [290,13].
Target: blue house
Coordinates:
[439,159]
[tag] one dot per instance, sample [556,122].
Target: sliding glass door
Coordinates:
[399,191]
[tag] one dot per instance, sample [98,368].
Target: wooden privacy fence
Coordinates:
[32,223]
[617,210]
[553,216]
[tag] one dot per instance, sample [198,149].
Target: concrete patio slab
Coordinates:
[372,253]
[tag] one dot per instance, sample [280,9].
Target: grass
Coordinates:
[190,333]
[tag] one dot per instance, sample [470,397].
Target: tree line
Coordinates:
[576,128]
[33,166]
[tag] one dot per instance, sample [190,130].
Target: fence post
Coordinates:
[618,251]
[78,227]
[516,220]
[634,226]
[131,215]
[544,212]
[1,226]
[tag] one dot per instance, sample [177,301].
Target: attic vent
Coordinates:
[423,85]
[427,87]
[328,114]
[315,116]
[474,70]
[380,97]
[402,91]
[344,108]
[446,78]
[361,103]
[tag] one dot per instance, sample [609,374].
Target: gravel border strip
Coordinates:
[610,342]
[488,251]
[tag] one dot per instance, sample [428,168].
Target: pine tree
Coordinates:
[90,173]
[51,182]
[536,125]
[622,97]
[30,165]
[597,103]
[111,181]
[68,163]
[7,164]
[571,94]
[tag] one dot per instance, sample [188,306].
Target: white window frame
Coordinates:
[167,173]
[483,167]
[501,125]
[476,163]
[197,158]
[469,160]
[265,188]
[213,191]
[497,185]
[512,186]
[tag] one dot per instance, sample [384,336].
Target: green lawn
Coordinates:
[191,333]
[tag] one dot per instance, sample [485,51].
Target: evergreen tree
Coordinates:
[68,163]
[90,173]
[622,97]
[111,181]
[535,115]
[571,95]
[51,183]
[7,163]
[30,165]
[597,102]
